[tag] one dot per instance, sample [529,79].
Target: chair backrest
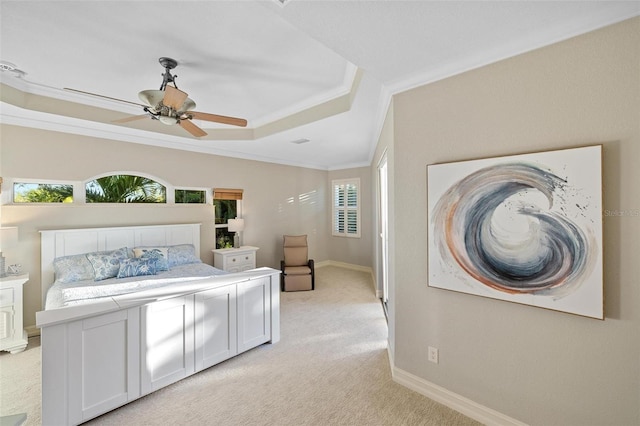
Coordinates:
[296,251]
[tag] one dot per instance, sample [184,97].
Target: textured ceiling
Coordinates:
[317,70]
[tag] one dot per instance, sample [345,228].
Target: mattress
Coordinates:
[68,294]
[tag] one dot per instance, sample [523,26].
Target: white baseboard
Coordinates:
[343,265]
[32,331]
[452,400]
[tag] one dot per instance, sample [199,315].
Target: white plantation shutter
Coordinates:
[346,207]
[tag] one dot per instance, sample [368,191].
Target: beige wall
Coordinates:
[277,199]
[535,365]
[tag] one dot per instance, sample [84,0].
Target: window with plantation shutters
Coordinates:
[346,207]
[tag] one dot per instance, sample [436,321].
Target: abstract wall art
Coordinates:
[524,228]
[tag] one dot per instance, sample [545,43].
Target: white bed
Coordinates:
[103,352]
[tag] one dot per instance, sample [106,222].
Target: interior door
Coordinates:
[384,227]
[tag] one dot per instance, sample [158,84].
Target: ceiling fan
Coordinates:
[171,105]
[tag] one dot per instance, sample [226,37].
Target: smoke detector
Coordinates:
[12,68]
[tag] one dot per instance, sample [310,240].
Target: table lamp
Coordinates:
[236,225]
[8,239]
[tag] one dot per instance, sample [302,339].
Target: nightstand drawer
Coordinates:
[235,259]
[6,297]
[242,259]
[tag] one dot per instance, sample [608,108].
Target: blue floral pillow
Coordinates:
[136,267]
[106,264]
[159,254]
[182,254]
[74,268]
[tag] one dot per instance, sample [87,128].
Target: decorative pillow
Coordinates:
[74,268]
[182,254]
[159,254]
[137,267]
[106,264]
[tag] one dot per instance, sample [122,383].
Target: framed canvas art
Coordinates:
[523,228]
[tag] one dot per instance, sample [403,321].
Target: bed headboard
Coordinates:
[66,242]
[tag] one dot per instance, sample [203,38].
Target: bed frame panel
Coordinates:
[67,242]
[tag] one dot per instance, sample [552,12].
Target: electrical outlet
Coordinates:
[433,354]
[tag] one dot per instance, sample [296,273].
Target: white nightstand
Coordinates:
[13,337]
[235,259]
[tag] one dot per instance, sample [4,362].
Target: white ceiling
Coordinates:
[317,70]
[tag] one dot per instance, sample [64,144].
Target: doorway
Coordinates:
[383,209]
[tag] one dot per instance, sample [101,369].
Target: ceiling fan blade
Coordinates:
[174,98]
[192,128]
[234,121]
[132,118]
[104,97]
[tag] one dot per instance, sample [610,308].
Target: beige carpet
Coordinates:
[330,368]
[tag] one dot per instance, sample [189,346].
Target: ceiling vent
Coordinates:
[301,141]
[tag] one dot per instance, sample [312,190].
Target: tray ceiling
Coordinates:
[317,70]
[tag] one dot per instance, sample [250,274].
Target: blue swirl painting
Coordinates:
[524,228]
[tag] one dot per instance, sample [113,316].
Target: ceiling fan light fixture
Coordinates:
[168,120]
[153,98]
[187,105]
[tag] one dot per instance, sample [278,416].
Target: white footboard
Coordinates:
[98,357]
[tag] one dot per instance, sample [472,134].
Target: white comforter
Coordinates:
[66,294]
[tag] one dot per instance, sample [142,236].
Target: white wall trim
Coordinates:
[452,400]
[32,331]
[343,265]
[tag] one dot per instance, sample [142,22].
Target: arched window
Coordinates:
[124,188]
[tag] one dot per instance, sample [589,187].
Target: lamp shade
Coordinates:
[236,225]
[8,237]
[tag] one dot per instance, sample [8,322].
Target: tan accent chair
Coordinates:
[297,269]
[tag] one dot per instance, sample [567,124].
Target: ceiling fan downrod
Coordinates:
[168,65]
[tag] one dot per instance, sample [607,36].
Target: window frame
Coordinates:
[234,195]
[335,208]
[208,199]
[7,197]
